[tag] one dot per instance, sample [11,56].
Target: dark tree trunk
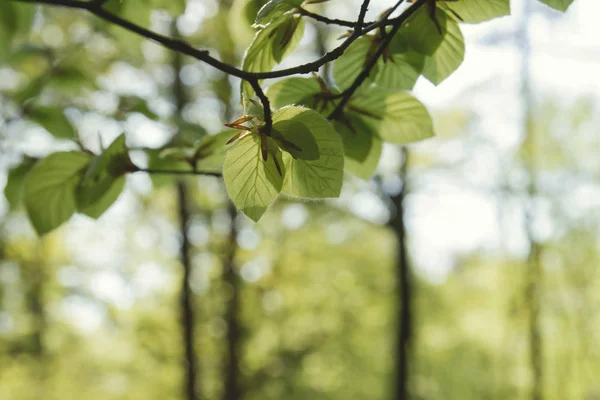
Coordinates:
[534,274]
[186,296]
[405,320]
[186,299]
[232,389]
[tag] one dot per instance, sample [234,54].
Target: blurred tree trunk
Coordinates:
[35,304]
[188,317]
[534,274]
[232,390]
[405,320]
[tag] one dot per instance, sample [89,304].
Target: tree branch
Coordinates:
[203,55]
[317,17]
[266,105]
[177,172]
[398,22]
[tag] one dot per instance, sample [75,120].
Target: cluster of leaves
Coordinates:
[302,137]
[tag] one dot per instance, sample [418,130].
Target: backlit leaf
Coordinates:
[448,56]
[252,183]
[396,116]
[310,173]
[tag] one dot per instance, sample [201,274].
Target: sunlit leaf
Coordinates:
[399,71]
[312,172]
[475,11]
[561,5]
[423,32]
[294,91]
[252,183]
[396,116]
[362,148]
[347,67]
[275,8]
[49,189]
[448,56]
[270,45]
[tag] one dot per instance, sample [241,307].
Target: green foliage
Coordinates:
[102,182]
[397,117]
[448,57]
[423,33]
[252,182]
[13,190]
[476,11]
[54,121]
[561,5]
[270,45]
[50,188]
[317,130]
[317,169]
[274,8]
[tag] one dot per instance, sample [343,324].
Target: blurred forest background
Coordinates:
[498,288]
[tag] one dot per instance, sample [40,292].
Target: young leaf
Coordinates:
[103,203]
[298,91]
[317,170]
[270,45]
[14,185]
[102,173]
[54,121]
[448,56]
[275,8]
[252,183]
[400,71]
[560,5]
[347,67]
[475,11]
[425,32]
[211,152]
[362,148]
[397,117]
[7,29]
[49,189]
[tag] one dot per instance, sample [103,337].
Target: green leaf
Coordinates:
[297,91]
[49,189]
[475,11]
[211,152]
[400,71]
[274,9]
[54,121]
[270,45]
[103,203]
[252,183]
[102,173]
[423,33]
[7,29]
[396,116]
[362,148]
[13,191]
[317,171]
[560,5]
[347,67]
[448,56]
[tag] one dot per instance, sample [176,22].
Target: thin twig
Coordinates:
[203,55]
[329,21]
[177,172]
[266,105]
